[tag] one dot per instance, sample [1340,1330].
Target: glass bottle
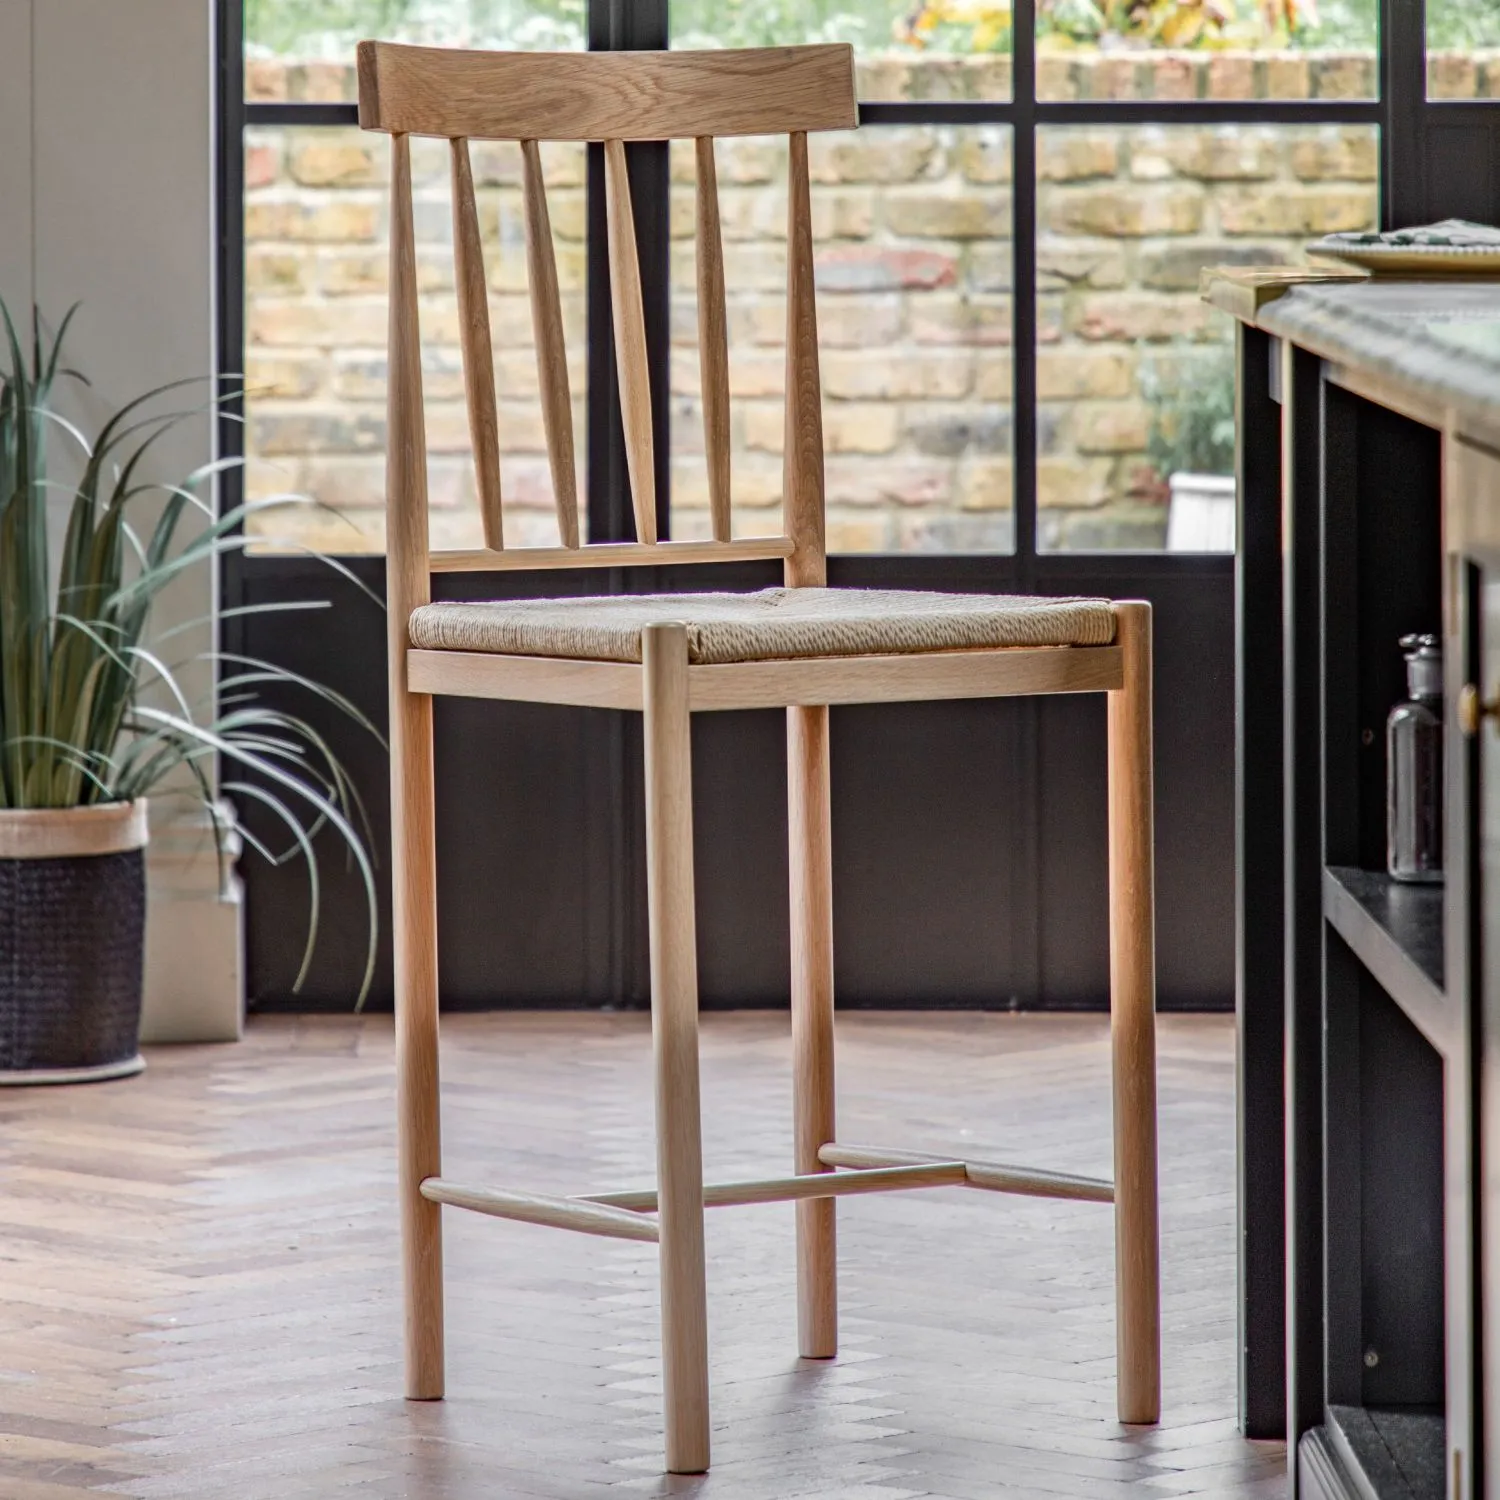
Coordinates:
[1414,767]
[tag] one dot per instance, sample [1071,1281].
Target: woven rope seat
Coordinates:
[773,624]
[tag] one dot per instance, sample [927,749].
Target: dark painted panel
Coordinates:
[1462,176]
[342,646]
[925,816]
[1193,631]
[1401,1191]
[1073,905]
[523,830]
[1302,761]
[739,839]
[1259,915]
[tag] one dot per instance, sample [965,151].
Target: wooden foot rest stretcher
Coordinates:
[623,1215]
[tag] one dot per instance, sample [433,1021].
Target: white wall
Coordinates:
[107,151]
[15,151]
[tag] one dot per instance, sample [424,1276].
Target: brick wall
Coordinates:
[915,308]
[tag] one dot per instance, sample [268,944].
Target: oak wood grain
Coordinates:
[914,678]
[673,934]
[551,346]
[1132,986]
[583,1217]
[713,340]
[1028,1182]
[630,341]
[610,555]
[599,96]
[802,452]
[413,855]
[526,679]
[908,678]
[820,1184]
[810,866]
[474,338]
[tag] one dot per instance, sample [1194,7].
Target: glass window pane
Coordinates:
[1463,49]
[912,230]
[1205,49]
[304,49]
[316,226]
[1135,374]
[953,50]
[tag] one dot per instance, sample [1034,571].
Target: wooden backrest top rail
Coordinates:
[604,96]
[618,97]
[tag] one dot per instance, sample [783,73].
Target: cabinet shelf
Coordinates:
[1396,931]
[1391,1453]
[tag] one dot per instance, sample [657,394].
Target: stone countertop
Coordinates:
[1437,341]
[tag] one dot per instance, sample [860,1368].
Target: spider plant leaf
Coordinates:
[164,675]
[266,767]
[74,658]
[269,607]
[263,849]
[90,767]
[339,785]
[264,671]
[57,342]
[46,414]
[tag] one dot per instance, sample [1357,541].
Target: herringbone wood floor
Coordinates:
[198,1274]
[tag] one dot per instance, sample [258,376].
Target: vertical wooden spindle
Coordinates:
[713,340]
[551,347]
[802,458]
[474,335]
[630,341]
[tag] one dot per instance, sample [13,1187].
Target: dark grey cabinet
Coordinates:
[1369,1009]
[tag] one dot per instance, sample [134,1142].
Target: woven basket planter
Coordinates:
[72,942]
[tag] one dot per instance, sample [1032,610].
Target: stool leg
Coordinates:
[1132,968]
[674,1029]
[413,858]
[414,923]
[809,840]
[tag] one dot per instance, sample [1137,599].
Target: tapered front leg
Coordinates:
[414,919]
[1132,976]
[811,881]
[413,856]
[674,1030]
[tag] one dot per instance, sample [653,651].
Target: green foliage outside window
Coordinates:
[1463,23]
[295,28]
[307,27]
[1191,396]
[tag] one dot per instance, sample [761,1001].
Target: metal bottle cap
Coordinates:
[1424,665]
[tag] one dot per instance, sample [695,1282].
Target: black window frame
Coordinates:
[615,25]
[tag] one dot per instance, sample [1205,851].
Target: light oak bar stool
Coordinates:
[801,648]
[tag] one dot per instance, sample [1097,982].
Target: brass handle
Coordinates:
[1472,708]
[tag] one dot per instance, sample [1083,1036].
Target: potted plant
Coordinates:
[93,720]
[1191,446]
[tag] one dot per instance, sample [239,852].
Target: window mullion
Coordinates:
[633,26]
[1023,290]
[1403,104]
